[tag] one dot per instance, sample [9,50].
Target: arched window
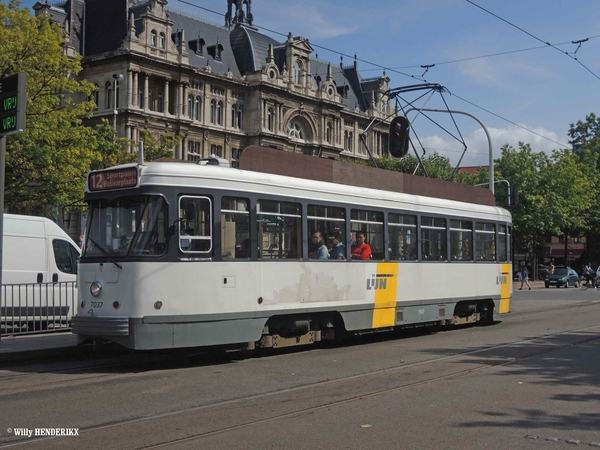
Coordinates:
[96,96]
[295,131]
[162,41]
[150,100]
[233,114]
[213,108]
[190,107]
[328,133]
[270,119]
[141,98]
[160,102]
[240,116]
[220,113]
[153,38]
[197,104]
[108,95]
[297,72]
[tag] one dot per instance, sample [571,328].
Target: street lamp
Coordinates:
[116,78]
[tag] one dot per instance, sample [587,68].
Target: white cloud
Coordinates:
[316,20]
[477,144]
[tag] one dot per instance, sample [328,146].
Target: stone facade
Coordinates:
[222,87]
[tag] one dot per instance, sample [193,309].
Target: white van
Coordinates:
[39,271]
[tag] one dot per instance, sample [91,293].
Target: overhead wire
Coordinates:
[508,52]
[535,37]
[395,70]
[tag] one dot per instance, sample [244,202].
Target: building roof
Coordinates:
[243,48]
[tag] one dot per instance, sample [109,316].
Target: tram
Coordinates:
[180,254]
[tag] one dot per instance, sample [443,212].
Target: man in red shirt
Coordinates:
[361,250]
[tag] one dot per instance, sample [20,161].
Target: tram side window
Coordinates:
[403,237]
[195,225]
[502,256]
[461,240]
[370,223]
[508,243]
[433,239]
[279,230]
[329,223]
[235,228]
[485,245]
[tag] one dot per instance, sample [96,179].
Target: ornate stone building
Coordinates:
[222,87]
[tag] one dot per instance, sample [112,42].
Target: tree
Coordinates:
[46,164]
[583,133]
[556,195]
[585,137]
[522,168]
[110,149]
[158,146]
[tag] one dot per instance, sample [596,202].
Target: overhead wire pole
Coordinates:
[391,94]
[487,133]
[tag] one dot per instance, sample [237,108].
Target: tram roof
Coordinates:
[327,180]
[307,177]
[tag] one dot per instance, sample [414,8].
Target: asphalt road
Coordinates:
[531,380]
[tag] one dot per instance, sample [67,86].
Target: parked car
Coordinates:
[562,277]
[542,271]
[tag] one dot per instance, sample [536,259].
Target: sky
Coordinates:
[528,92]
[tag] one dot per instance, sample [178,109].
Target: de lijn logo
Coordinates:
[378,282]
[502,279]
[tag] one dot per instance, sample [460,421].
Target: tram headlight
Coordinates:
[96,289]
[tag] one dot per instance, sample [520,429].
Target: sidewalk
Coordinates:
[14,348]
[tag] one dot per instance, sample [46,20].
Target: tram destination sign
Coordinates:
[113,179]
[13,104]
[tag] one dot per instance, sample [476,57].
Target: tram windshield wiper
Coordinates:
[105,253]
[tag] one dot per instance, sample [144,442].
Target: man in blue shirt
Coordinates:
[338,251]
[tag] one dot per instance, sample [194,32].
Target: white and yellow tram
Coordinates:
[183,255]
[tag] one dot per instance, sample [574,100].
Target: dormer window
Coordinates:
[197,46]
[153,38]
[216,51]
[162,41]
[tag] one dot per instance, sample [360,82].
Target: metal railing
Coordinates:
[37,307]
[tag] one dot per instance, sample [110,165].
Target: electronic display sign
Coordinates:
[113,179]
[13,103]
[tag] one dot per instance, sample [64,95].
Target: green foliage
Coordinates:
[585,132]
[437,166]
[158,145]
[46,164]
[110,149]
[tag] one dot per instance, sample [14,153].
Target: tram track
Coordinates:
[302,411]
[148,363]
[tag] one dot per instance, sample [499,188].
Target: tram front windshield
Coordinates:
[126,227]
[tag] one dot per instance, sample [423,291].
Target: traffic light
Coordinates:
[399,136]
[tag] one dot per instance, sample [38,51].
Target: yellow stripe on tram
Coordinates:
[506,289]
[385,284]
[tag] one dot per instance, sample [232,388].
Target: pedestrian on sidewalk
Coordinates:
[525,278]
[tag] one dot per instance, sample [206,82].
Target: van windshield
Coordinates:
[126,227]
